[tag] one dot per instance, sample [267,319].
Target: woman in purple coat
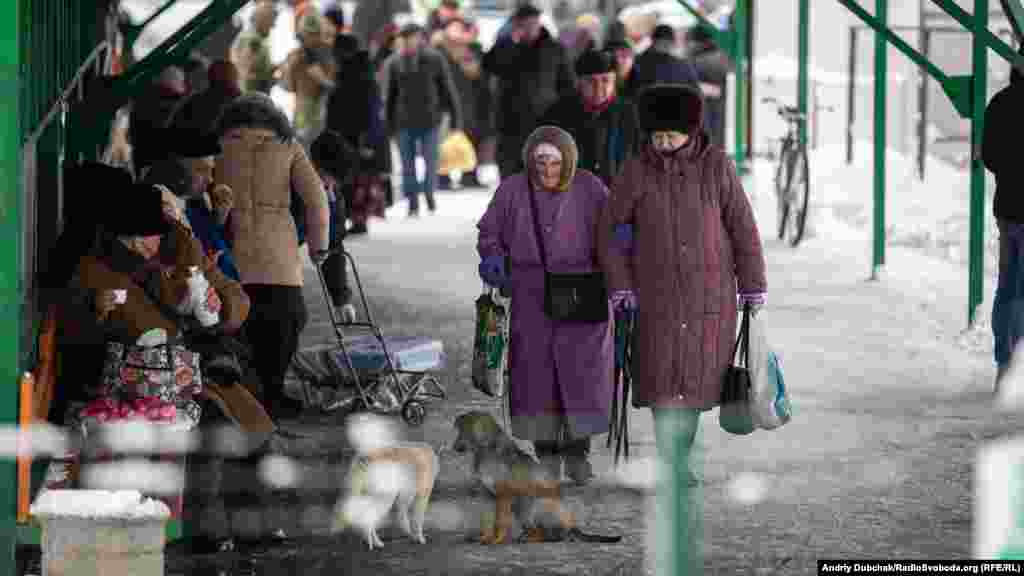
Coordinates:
[561,372]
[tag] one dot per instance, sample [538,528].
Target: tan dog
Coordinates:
[386,474]
[520,485]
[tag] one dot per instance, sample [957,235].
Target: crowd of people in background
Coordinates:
[221,182]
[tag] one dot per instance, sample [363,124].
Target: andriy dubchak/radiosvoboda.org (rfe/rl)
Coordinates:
[975,567]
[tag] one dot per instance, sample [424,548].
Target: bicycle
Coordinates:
[792,176]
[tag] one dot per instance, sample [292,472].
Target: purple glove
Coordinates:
[624,300]
[492,271]
[756,301]
[624,237]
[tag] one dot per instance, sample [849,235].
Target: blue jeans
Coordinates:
[1007,312]
[429,148]
[678,516]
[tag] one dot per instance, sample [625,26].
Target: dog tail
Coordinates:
[578,535]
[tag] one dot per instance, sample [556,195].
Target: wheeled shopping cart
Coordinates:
[362,374]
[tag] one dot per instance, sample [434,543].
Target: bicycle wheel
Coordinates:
[783,174]
[799,195]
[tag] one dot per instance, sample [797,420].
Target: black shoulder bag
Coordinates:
[570,297]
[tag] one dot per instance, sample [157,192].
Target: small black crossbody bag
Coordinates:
[581,297]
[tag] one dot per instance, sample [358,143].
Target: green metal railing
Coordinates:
[55,113]
[968,95]
[734,42]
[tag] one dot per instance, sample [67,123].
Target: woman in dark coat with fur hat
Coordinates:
[602,123]
[680,246]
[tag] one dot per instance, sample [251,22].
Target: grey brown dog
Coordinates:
[521,486]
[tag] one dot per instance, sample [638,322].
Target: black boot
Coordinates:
[577,461]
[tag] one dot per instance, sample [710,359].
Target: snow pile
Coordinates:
[931,216]
[98,504]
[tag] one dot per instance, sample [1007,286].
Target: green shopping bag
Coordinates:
[490,346]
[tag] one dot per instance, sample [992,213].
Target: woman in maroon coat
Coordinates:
[680,244]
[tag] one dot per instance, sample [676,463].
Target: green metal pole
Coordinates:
[803,49]
[10,269]
[740,22]
[979,98]
[881,79]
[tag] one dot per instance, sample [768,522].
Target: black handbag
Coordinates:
[736,414]
[581,297]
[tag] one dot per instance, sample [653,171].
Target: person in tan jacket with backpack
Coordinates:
[264,165]
[309,73]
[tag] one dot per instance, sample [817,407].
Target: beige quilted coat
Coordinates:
[261,171]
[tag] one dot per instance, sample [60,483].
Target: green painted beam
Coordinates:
[175,48]
[803,51]
[880,27]
[11,290]
[983,33]
[740,24]
[956,88]
[723,40]
[881,118]
[979,99]
[131,32]
[1015,14]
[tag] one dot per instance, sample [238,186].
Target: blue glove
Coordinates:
[624,237]
[492,271]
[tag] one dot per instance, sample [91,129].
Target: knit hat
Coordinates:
[670,108]
[594,62]
[561,140]
[139,213]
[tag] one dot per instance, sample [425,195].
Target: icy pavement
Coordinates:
[890,409]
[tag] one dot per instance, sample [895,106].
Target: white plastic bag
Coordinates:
[769,401]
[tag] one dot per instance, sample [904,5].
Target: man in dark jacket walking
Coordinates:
[419,88]
[602,123]
[712,66]
[999,153]
[150,114]
[533,71]
[660,65]
[199,112]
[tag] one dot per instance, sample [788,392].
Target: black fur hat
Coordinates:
[670,107]
[594,62]
[145,205]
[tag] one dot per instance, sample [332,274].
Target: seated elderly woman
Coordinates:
[146,258]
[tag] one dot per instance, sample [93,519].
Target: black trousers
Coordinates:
[224,493]
[277,317]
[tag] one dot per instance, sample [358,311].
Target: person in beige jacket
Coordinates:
[264,165]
